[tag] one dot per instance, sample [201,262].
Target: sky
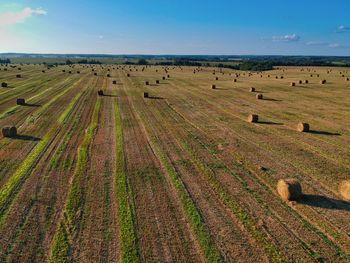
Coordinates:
[183,27]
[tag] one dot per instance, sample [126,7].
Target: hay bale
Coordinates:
[100,92]
[18,75]
[78,72]
[157,81]
[108,75]
[289,189]
[114,82]
[259,96]
[43,71]
[70,72]
[145,95]
[216,78]
[300,82]
[168,76]
[128,75]
[4,85]
[306,81]
[303,127]
[344,189]
[21,101]
[9,131]
[292,84]
[163,78]
[252,89]
[323,81]
[63,70]
[213,86]
[253,118]
[234,80]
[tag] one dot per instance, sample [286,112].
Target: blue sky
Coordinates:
[253,27]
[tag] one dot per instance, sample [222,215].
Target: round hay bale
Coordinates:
[303,127]
[300,82]
[253,118]
[63,70]
[95,74]
[289,189]
[168,76]
[213,86]
[157,81]
[282,77]
[108,75]
[145,95]
[100,92]
[259,96]
[344,189]
[9,131]
[252,89]
[306,81]
[20,101]
[4,85]
[114,82]
[163,78]
[323,81]
[70,72]
[292,84]
[128,75]
[78,72]
[216,78]
[146,83]
[43,71]
[18,75]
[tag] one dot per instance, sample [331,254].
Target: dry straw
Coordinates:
[259,96]
[344,189]
[253,118]
[303,127]
[289,189]
[9,131]
[20,101]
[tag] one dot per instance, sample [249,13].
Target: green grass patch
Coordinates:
[70,222]
[125,208]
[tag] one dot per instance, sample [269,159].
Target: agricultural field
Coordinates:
[179,175]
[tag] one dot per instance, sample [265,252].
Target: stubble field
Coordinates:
[180,176]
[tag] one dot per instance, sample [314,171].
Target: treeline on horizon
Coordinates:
[247,63]
[5,61]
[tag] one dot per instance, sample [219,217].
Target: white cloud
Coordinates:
[334,45]
[286,38]
[317,43]
[11,18]
[342,29]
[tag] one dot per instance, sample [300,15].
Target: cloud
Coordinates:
[326,44]
[286,38]
[317,43]
[342,29]
[11,18]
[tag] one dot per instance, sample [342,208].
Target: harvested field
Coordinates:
[181,176]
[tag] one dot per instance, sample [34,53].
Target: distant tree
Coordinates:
[142,61]
[5,61]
